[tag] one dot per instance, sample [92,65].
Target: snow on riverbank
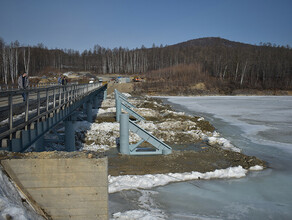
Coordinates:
[222,142]
[170,126]
[127,182]
[148,209]
[11,205]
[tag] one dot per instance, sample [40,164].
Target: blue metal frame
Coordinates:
[122,103]
[125,148]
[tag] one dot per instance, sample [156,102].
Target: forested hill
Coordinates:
[214,61]
[210,42]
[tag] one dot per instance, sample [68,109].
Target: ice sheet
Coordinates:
[263,120]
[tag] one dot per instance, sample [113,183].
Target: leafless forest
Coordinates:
[213,61]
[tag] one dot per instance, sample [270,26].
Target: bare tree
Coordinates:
[243,73]
[5,63]
[26,59]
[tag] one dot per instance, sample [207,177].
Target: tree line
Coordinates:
[241,65]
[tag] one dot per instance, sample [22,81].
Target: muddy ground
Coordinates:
[202,159]
[207,159]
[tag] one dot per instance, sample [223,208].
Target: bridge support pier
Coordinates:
[84,108]
[69,135]
[89,111]
[39,144]
[124,134]
[104,94]
[95,101]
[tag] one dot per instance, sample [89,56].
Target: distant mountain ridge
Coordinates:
[210,42]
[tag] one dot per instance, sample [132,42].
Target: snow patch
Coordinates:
[11,206]
[126,94]
[201,119]
[256,168]
[222,142]
[127,182]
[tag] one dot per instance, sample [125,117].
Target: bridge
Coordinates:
[24,123]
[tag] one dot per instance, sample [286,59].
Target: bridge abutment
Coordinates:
[63,188]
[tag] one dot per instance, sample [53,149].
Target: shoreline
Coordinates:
[204,152]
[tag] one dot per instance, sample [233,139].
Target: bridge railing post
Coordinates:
[60,96]
[10,103]
[65,95]
[47,99]
[26,108]
[54,95]
[71,93]
[38,103]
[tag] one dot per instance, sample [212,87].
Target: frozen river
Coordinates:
[260,126]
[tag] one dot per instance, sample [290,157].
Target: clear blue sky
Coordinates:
[80,24]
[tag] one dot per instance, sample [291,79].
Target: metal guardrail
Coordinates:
[40,102]
[4,87]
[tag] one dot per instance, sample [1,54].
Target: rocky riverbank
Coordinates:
[197,146]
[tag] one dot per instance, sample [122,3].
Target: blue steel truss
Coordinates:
[123,104]
[125,125]
[160,146]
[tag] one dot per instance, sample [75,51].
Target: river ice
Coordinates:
[260,126]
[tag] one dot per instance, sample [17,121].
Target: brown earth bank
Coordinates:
[208,159]
[200,89]
[240,92]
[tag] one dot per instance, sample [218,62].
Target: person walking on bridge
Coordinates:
[60,79]
[23,84]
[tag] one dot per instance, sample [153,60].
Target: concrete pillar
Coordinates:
[89,111]
[69,136]
[124,134]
